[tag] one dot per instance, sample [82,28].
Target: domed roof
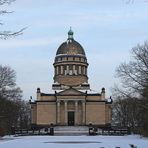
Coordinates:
[70,47]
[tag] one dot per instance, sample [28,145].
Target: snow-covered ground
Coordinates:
[73,142]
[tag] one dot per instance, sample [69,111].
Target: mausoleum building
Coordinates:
[73,102]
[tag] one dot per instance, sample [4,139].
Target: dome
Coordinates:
[70,47]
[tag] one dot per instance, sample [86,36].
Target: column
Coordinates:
[76,112]
[62,70]
[67,68]
[57,69]
[80,70]
[65,102]
[83,112]
[58,112]
[86,70]
[73,70]
[83,70]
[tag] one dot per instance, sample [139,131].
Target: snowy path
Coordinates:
[73,142]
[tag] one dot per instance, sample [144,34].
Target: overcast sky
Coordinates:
[107,30]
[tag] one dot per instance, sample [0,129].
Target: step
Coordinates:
[71,128]
[70,133]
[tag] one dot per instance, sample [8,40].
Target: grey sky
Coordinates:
[107,29]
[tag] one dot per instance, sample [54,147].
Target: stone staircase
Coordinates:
[70,130]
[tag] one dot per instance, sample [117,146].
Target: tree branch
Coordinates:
[2,12]
[2,2]
[8,34]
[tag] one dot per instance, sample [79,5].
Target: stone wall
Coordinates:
[46,113]
[95,113]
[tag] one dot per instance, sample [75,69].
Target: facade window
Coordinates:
[70,72]
[59,67]
[67,70]
[77,69]
[77,59]
[70,58]
[74,70]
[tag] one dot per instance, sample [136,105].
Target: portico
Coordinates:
[72,113]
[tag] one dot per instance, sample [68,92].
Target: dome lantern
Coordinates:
[70,34]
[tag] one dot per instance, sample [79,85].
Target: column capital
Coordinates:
[76,101]
[65,101]
[58,101]
[83,101]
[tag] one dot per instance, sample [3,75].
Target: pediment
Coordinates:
[71,91]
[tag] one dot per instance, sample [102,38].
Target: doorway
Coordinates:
[71,118]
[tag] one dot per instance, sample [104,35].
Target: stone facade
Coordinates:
[72,103]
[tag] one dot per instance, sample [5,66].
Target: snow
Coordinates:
[73,142]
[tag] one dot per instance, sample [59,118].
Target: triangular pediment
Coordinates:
[71,91]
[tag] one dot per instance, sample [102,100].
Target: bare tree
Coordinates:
[8,34]
[6,2]
[134,90]
[7,77]
[8,87]
[134,75]
[127,112]
[14,112]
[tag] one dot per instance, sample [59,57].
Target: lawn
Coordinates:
[73,142]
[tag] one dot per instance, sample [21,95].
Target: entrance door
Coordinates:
[71,118]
